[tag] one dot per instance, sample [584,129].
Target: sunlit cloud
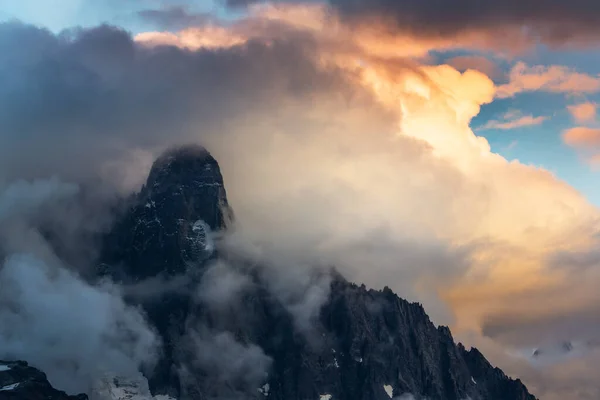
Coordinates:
[583,112]
[586,141]
[553,78]
[512,120]
[398,189]
[583,137]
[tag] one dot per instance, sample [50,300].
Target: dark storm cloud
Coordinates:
[89,98]
[550,21]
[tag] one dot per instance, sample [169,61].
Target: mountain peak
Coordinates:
[183,165]
[172,219]
[189,177]
[371,344]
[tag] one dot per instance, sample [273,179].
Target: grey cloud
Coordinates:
[23,199]
[45,216]
[234,369]
[174,17]
[553,22]
[523,331]
[73,331]
[222,286]
[93,98]
[576,260]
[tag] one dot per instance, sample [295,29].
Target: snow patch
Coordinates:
[9,387]
[325,397]
[123,388]
[473,380]
[389,390]
[4,368]
[264,390]
[203,236]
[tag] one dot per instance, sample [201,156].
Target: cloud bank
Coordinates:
[49,315]
[337,147]
[508,24]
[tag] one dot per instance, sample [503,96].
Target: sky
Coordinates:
[450,153]
[535,141]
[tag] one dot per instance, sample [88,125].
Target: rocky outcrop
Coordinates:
[163,231]
[364,345]
[112,387]
[19,381]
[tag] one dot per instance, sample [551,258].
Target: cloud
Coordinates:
[49,314]
[276,20]
[233,369]
[513,120]
[553,78]
[582,137]
[583,112]
[585,140]
[174,17]
[515,21]
[71,330]
[335,148]
[479,63]
[512,145]
[23,199]
[222,288]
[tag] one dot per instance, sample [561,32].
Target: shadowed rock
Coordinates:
[364,344]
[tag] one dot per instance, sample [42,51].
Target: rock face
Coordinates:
[123,388]
[364,344]
[162,232]
[19,381]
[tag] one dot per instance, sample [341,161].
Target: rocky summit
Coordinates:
[19,381]
[363,344]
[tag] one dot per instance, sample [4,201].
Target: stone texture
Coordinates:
[365,344]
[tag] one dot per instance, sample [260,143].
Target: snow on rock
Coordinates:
[123,388]
[389,390]
[264,390]
[4,367]
[325,397]
[473,380]
[9,387]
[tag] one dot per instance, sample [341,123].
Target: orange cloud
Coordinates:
[587,141]
[554,78]
[582,137]
[208,36]
[513,120]
[425,176]
[370,34]
[583,112]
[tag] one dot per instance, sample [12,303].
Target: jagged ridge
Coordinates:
[371,345]
[19,381]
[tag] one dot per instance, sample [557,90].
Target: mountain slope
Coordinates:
[19,381]
[363,345]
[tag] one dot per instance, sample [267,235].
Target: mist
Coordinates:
[326,164]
